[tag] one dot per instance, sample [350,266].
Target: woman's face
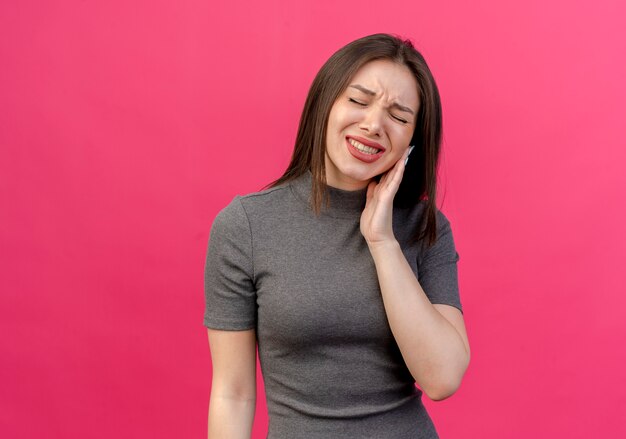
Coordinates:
[378,109]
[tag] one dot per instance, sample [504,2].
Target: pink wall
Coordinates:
[126,125]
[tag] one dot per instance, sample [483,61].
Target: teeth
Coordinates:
[362,148]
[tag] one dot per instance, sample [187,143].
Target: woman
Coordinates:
[343,270]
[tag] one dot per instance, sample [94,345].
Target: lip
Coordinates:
[367,142]
[367,158]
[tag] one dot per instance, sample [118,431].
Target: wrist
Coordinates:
[384,246]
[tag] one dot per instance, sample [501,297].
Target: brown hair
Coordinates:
[419,180]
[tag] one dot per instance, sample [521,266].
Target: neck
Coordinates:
[344,203]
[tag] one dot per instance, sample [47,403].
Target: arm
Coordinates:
[233,387]
[431,338]
[230,313]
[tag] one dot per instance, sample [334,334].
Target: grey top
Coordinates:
[308,285]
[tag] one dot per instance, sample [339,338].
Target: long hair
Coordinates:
[420,176]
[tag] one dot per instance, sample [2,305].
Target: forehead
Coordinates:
[390,80]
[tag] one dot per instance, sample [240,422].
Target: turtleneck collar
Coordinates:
[343,203]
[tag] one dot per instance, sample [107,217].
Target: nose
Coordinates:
[372,122]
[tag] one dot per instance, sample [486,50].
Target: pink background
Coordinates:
[125,126]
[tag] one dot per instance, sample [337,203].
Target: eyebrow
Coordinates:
[371,93]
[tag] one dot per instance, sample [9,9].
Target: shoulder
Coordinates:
[264,197]
[409,214]
[254,204]
[268,203]
[443,223]
[444,246]
[409,221]
[410,217]
[415,213]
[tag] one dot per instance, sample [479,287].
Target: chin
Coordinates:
[357,174]
[360,177]
[347,169]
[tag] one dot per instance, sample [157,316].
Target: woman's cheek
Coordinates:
[353,115]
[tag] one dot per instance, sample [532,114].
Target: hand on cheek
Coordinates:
[376,219]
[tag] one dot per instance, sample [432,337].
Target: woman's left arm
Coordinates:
[431,338]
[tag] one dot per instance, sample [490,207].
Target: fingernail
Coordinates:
[407,156]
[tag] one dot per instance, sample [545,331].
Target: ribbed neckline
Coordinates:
[343,203]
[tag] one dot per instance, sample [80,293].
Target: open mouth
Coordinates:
[363,148]
[362,152]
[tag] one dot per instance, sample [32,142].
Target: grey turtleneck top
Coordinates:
[308,285]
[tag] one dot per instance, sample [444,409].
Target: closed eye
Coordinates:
[356,102]
[363,105]
[399,120]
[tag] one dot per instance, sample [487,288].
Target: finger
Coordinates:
[384,178]
[397,172]
[408,152]
[401,168]
[391,176]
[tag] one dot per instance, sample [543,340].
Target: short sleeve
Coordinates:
[438,273]
[229,292]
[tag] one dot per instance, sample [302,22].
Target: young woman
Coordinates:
[343,271]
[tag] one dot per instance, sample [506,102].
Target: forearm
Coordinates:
[230,418]
[432,348]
